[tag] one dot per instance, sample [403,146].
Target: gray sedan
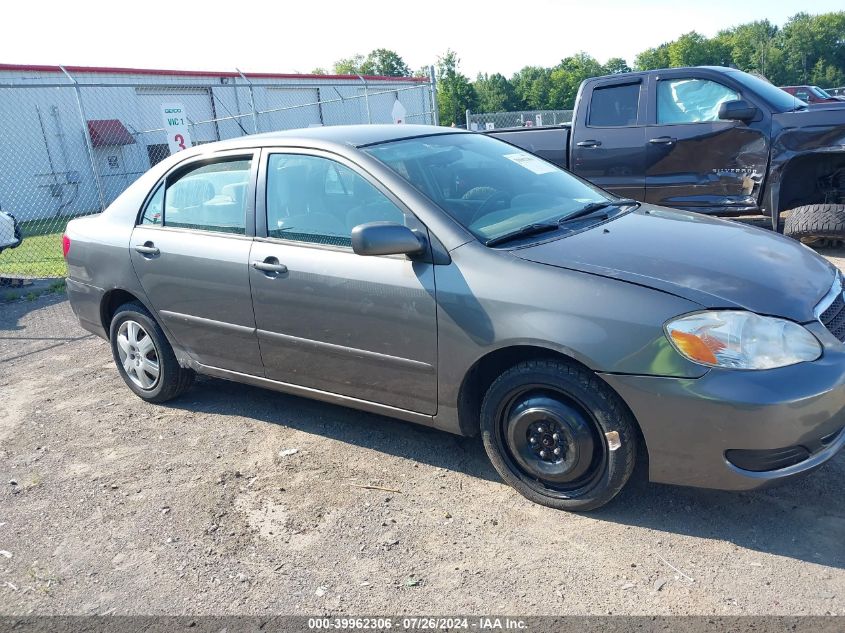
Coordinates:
[453,280]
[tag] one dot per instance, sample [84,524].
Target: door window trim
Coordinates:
[616,83]
[261,196]
[248,153]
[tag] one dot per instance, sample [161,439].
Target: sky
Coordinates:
[285,36]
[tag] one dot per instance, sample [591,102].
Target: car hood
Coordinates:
[713,262]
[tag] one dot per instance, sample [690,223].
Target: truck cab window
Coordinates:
[690,100]
[614,106]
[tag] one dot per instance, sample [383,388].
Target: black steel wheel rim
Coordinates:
[551,440]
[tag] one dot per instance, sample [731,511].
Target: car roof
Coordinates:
[347,135]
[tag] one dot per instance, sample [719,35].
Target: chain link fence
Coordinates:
[70,145]
[479,121]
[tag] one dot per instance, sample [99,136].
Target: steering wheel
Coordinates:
[496,198]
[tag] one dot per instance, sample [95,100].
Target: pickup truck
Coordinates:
[707,139]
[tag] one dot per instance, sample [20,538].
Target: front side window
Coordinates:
[211,197]
[614,106]
[318,200]
[690,100]
[488,186]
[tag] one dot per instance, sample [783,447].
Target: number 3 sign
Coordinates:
[176,126]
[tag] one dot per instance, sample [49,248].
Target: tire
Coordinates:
[816,222]
[138,353]
[566,408]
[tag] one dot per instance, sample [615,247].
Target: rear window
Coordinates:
[614,106]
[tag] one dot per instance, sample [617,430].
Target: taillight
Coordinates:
[65,245]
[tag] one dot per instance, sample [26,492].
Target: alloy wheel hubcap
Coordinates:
[138,355]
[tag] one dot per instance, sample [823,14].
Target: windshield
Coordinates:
[488,186]
[779,99]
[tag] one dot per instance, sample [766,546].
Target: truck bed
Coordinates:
[549,141]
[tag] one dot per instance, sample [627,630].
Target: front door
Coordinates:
[190,251]
[608,135]
[695,160]
[328,319]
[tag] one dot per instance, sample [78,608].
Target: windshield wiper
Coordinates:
[592,207]
[525,231]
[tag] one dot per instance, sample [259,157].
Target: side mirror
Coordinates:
[386,238]
[737,110]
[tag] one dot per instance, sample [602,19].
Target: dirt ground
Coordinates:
[234,500]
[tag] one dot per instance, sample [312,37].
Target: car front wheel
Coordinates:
[144,357]
[558,434]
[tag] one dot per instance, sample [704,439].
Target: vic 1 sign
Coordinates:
[176,126]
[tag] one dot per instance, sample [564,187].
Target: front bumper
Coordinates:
[690,424]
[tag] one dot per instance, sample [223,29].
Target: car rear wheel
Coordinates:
[144,357]
[816,224]
[558,434]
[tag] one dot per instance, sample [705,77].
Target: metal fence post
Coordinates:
[251,101]
[468,115]
[84,120]
[366,98]
[435,107]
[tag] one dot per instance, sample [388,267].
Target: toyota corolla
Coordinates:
[450,279]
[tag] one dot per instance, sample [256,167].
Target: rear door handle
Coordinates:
[148,249]
[662,140]
[589,143]
[270,265]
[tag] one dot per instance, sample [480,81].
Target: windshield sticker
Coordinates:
[531,163]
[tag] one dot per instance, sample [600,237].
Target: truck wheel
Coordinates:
[558,434]
[144,357]
[816,223]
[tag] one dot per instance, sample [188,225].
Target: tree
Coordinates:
[349,65]
[531,86]
[616,65]
[455,94]
[694,49]
[494,93]
[653,58]
[319,71]
[386,63]
[567,76]
[380,61]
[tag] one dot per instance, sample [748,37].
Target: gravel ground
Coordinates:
[235,500]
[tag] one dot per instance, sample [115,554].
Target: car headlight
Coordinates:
[741,340]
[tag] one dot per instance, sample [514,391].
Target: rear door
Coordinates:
[328,319]
[608,136]
[190,250]
[695,160]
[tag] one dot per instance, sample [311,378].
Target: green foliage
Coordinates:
[455,94]
[495,93]
[808,49]
[380,61]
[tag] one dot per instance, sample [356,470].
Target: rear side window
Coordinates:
[614,106]
[211,197]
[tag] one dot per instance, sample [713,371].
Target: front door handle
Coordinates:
[271,266]
[662,140]
[148,249]
[588,143]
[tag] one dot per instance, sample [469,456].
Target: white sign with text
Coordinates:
[176,126]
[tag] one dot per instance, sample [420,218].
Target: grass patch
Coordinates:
[37,256]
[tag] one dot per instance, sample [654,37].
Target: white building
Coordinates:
[48,122]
